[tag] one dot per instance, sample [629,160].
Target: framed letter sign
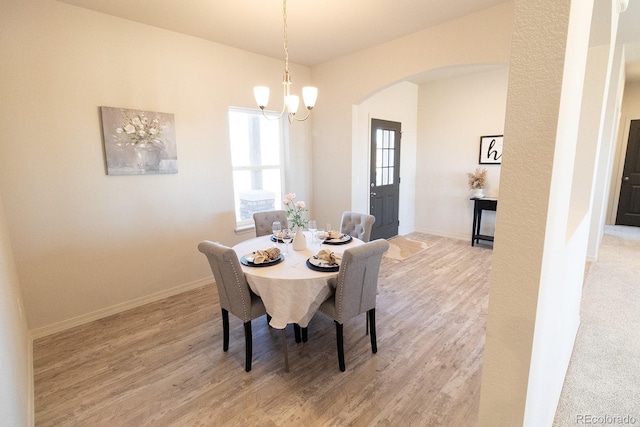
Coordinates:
[491,150]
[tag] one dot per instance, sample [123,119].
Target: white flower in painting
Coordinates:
[139,130]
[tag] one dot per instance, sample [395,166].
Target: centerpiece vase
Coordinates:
[299,240]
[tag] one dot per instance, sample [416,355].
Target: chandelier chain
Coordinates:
[291,102]
[286,47]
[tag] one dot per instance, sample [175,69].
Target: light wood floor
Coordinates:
[163,364]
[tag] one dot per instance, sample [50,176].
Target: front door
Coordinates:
[629,204]
[385,178]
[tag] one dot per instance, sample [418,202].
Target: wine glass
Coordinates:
[287,237]
[313,226]
[320,234]
[276,227]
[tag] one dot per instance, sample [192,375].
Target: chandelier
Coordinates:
[291,102]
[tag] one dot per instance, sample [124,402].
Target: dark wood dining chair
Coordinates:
[356,291]
[234,293]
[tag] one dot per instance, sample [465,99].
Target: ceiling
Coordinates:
[318,30]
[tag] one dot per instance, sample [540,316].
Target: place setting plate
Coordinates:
[248,261]
[318,264]
[340,240]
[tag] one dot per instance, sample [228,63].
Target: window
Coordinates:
[385,162]
[256,153]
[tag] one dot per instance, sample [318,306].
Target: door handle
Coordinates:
[373,194]
[626,178]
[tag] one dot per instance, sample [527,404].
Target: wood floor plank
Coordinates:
[163,364]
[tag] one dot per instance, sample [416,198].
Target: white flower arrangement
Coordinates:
[139,131]
[295,211]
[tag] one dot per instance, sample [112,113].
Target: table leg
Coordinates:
[475,222]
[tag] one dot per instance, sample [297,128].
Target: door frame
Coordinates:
[617,172]
[397,128]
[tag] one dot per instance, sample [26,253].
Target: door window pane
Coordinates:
[385,144]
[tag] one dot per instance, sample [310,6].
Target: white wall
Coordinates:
[87,244]
[604,168]
[452,116]
[398,103]
[16,374]
[349,80]
[590,134]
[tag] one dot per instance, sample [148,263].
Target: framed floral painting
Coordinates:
[138,142]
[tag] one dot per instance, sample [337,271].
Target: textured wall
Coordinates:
[537,271]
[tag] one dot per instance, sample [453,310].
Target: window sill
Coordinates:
[245,229]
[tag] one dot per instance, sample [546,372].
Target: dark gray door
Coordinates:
[385,177]
[629,203]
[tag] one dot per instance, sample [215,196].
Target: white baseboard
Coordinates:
[118,308]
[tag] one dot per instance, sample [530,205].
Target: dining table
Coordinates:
[290,288]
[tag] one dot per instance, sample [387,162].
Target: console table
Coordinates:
[479,205]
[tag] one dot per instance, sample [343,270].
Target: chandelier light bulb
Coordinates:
[261,93]
[292,102]
[309,95]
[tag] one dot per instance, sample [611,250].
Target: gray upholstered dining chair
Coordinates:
[356,290]
[234,293]
[357,225]
[264,220]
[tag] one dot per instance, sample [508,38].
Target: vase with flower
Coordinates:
[477,182]
[296,216]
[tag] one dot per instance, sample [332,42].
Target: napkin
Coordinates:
[266,255]
[327,255]
[333,234]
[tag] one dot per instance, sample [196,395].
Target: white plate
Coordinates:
[323,263]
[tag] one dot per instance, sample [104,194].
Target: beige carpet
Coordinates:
[603,380]
[403,247]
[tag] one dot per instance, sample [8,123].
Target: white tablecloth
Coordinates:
[290,290]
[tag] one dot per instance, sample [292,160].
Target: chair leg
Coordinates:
[225,330]
[301,334]
[284,346]
[339,342]
[249,346]
[297,333]
[366,326]
[372,321]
